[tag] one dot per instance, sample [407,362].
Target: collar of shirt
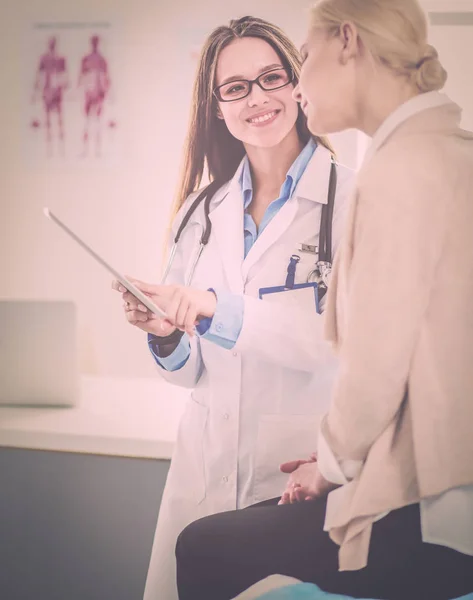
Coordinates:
[287,189]
[404,112]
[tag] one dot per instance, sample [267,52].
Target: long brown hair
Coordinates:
[209,144]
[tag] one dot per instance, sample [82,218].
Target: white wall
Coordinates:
[121,210]
[455,46]
[447,5]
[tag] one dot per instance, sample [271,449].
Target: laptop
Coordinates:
[38,353]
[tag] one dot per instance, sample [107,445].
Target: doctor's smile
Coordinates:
[262,119]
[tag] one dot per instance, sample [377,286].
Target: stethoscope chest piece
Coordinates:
[321,273]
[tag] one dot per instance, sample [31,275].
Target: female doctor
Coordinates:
[260,371]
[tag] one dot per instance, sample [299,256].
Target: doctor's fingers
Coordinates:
[151,288]
[136,316]
[191,319]
[132,303]
[117,286]
[181,313]
[186,315]
[172,307]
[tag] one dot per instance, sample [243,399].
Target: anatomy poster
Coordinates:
[71,93]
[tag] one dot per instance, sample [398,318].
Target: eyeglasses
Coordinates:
[269,81]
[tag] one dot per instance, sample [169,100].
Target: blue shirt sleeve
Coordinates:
[224,327]
[177,359]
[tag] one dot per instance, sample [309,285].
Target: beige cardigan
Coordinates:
[400,313]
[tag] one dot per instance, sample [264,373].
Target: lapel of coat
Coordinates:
[313,185]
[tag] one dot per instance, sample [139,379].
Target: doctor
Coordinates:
[260,371]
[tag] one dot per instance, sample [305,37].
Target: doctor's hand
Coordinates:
[138,315]
[305,481]
[184,306]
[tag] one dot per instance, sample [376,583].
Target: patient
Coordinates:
[385,509]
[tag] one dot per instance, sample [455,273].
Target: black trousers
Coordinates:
[220,556]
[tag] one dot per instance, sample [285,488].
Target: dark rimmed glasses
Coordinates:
[269,81]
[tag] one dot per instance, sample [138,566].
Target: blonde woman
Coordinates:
[261,376]
[396,442]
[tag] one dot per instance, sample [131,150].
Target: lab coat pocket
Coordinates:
[188,470]
[281,438]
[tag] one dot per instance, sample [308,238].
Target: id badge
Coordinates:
[302,296]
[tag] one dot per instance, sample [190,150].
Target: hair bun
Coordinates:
[430,74]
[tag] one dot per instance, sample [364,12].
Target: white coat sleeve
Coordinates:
[189,374]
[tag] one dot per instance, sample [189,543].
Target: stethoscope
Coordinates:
[323,267]
[205,196]
[321,272]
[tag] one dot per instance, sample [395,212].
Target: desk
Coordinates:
[81,488]
[114,416]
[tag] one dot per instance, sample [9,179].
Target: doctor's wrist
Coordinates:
[165,346]
[173,337]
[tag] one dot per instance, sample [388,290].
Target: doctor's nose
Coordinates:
[257,96]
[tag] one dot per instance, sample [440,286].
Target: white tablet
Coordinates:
[123,280]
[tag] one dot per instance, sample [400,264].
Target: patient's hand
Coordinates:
[305,481]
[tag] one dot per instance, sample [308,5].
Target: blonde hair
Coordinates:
[394,32]
[209,144]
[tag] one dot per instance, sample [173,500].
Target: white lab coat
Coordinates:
[258,404]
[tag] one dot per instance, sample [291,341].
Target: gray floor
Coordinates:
[76,527]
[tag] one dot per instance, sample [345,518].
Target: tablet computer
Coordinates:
[123,280]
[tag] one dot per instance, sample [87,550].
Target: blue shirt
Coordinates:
[225,326]
[287,189]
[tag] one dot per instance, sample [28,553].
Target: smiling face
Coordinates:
[263,118]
